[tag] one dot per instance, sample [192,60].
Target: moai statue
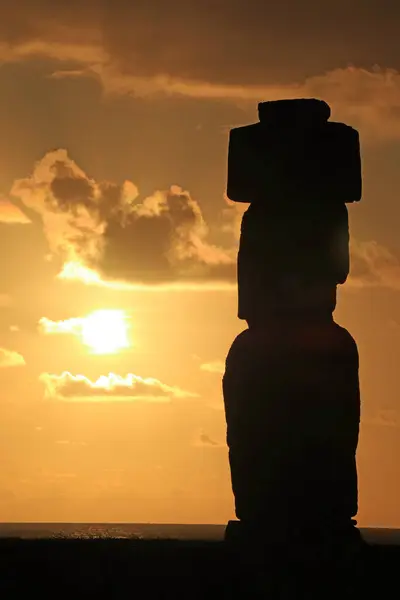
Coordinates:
[291,387]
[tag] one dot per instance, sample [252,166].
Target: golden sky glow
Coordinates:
[118,247]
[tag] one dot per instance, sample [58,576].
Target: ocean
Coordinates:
[141,531]
[111,530]
[37,559]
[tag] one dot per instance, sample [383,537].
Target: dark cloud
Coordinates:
[250,41]
[70,193]
[107,227]
[221,41]
[245,50]
[160,239]
[204,440]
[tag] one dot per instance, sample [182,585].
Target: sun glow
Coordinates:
[76,271]
[105,331]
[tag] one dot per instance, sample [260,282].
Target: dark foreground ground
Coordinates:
[73,568]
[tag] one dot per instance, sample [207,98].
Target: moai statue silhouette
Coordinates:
[291,386]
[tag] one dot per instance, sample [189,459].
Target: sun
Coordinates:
[105,331]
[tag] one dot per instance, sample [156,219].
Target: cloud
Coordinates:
[386,417]
[70,443]
[103,331]
[153,39]
[10,358]
[216,366]
[9,213]
[109,387]
[203,440]
[104,231]
[157,48]
[69,326]
[373,265]
[366,98]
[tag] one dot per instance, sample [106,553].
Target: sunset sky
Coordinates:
[117,279]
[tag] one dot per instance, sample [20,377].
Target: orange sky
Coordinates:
[113,144]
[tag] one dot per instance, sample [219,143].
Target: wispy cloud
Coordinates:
[385,417]
[216,366]
[373,265]
[111,387]
[104,331]
[130,63]
[66,326]
[10,358]
[9,213]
